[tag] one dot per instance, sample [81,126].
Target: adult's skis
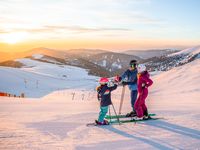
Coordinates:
[132,120]
[122,116]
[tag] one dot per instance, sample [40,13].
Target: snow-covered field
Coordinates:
[37,79]
[58,120]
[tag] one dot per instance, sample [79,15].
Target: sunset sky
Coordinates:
[102,24]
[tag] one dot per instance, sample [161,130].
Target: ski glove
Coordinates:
[124,83]
[117,78]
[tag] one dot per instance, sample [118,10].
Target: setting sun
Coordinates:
[13,38]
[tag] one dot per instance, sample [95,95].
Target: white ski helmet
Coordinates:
[141,68]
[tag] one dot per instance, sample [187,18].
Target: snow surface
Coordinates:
[37,56]
[116,65]
[58,120]
[104,62]
[37,78]
[192,51]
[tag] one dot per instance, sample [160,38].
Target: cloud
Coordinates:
[84,29]
[75,12]
[75,17]
[3,32]
[76,29]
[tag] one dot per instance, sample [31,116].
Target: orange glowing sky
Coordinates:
[105,24]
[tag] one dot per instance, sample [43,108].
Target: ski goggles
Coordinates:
[133,65]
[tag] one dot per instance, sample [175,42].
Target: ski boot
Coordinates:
[139,118]
[105,122]
[147,117]
[98,123]
[131,114]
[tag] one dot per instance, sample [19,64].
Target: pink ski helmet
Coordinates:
[103,80]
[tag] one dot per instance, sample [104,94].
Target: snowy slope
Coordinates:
[37,79]
[186,55]
[193,51]
[146,54]
[170,61]
[58,120]
[183,79]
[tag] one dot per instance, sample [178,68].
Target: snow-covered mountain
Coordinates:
[191,51]
[104,63]
[36,78]
[58,120]
[5,56]
[62,54]
[170,61]
[113,62]
[145,54]
[93,69]
[109,62]
[97,62]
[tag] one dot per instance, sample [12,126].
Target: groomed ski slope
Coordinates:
[37,79]
[58,120]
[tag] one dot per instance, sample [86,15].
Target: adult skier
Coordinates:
[143,83]
[129,77]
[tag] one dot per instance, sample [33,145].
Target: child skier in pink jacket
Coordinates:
[143,83]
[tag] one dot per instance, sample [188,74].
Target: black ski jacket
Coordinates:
[104,95]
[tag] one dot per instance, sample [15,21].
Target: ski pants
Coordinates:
[133,98]
[102,113]
[140,106]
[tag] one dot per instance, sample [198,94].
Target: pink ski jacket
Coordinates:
[143,81]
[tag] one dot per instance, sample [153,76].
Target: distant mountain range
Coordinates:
[97,62]
[83,53]
[145,54]
[102,62]
[167,62]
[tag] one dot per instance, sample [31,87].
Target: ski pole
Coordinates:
[122,99]
[109,114]
[116,113]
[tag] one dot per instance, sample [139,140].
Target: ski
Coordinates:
[91,124]
[132,120]
[113,122]
[94,124]
[122,116]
